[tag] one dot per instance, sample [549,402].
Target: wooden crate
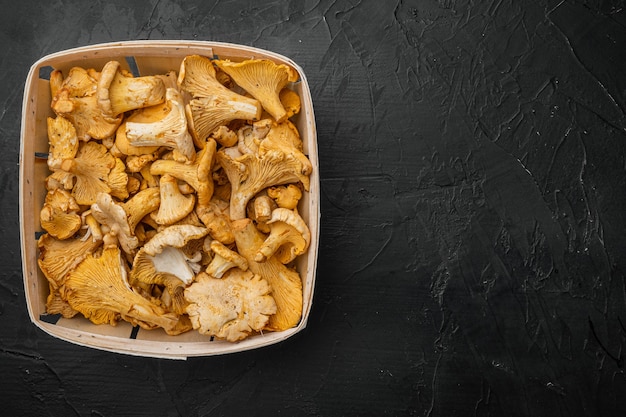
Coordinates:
[141,58]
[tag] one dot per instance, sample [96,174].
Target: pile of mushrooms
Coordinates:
[172,200]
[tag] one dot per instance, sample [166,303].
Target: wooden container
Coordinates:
[141,58]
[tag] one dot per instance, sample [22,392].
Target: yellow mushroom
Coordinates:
[231,307]
[291,101]
[285,282]
[215,216]
[98,288]
[212,104]
[169,131]
[118,91]
[120,219]
[260,210]
[289,237]
[59,214]
[63,141]
[55,304]
[58,257]
[163,261]
[262,79]
[196,174]
[118,180]
[76,100]
[249,137]
[286,196]
[224,259]
[90,168]
[174,205]
[250,173]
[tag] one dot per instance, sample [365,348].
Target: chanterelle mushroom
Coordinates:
[118,91]
[59,215]
[286,196]
[162,261]
[232,307]
[215,216]
[290,101]
[260,210]
[169,131]
[213,105]
[118,180]
[75,99]
[250,173]
[99,289]
[55,304]
[174,204]
[289,237]
[264,80]
[91,168]
[224,136]
[120,219]
[286,138]
[286,283]
[196,174]
[63,141]
[58,257]
[249,137]
[224,259]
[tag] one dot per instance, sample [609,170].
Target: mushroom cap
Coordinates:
[59,214]
[176,236]
[118,91]
[249,137]
[118,180]
[55,304]
[196,76]
[224,136]
[209,113]
[112,215]
[91,168]
[232,307]
[224,259]
[250,173]
[196,174]
[168,268]
[169,131]
[56,81]
[215,216]
[262,79]
[289,237]
[58,257]
[286,283]
[63,141]
[212,105]
[291,101]
[286,138]
[163,261]
[174,204]
[286,196]
[76,99]
[99,289]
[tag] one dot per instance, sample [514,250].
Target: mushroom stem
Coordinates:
[142,203]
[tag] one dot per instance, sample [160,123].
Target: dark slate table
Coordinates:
[472,248]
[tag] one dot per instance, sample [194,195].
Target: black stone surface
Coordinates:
[472,246]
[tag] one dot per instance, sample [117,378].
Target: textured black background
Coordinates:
[473,205]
